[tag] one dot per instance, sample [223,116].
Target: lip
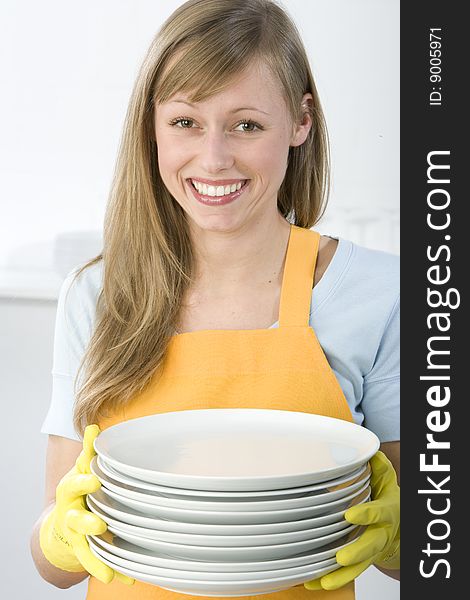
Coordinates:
[217,182]
[217,200]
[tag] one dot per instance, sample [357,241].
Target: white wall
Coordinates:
[26,332]
[68,68]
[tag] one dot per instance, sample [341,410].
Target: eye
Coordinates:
[183,121]
[250,123]
[186,123]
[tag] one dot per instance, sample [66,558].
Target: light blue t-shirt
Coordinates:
[354,313]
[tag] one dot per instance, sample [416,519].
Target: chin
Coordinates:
[215,223]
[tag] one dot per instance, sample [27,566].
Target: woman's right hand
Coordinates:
[62,535]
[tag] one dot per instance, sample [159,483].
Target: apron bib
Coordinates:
[283,368]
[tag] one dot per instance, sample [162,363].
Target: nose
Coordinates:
[215,154]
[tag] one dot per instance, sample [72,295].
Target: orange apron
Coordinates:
[281,368]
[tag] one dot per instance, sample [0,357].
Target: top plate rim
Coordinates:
[370,442]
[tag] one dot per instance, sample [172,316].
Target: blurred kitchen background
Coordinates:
[67,73]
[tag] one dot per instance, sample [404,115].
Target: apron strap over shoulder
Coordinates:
[297,281]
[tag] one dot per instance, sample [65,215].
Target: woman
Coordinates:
[222,171]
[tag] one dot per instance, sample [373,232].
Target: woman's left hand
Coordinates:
[380,542]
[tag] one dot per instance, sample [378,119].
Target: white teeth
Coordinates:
[220,190]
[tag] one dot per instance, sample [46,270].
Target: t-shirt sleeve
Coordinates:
[381,391]
[73,328]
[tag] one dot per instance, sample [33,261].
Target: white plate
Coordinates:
[231,517]
[120,513]
[124,549]
[236,449]
[140,501]
[219,540]
[98,550]
[223,588]
[230,554]
[161,490]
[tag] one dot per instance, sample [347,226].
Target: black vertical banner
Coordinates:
[435,357]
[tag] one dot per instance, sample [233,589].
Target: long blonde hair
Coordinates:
[147,255]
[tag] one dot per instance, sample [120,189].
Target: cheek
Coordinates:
[267,155]
[273,161]
[170,157]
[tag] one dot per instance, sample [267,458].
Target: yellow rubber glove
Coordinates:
[380,542]
[62,534]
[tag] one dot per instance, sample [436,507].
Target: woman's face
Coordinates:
[239,137]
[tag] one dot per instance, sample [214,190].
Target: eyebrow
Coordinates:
[232,111]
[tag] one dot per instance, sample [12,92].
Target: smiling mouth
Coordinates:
[217,191]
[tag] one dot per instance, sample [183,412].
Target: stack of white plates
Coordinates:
[228,502]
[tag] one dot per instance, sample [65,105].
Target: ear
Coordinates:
[301,130]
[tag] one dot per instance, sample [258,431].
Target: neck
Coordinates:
[249,256]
